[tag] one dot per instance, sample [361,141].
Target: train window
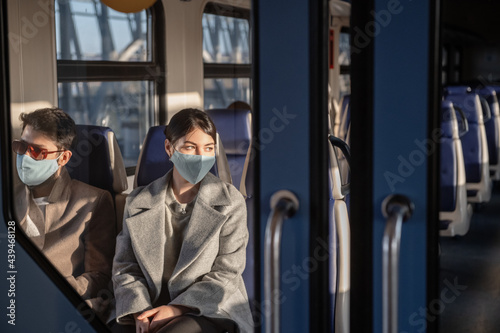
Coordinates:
[456,65]
[345,62]
[124,106]
[92,31]
[108,70]
[221,92]
[444,65]
[226,55]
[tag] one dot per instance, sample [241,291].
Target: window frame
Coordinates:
[69,71]
[227,71]
[345,69]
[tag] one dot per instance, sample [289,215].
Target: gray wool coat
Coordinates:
[207,277]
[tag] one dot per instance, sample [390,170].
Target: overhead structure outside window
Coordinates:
[109,70]
[226,56]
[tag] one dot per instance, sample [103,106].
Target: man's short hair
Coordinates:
[53,123]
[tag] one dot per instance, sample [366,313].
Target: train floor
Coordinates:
[469,299]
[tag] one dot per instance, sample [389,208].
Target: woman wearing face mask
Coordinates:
[181,252]
[72,223]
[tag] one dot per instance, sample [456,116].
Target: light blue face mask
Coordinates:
[192,168]
[33,172]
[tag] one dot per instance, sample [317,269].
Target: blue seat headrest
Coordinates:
[486,91]
[153,161]
[457,90]
[448,118]
[345,101]
[90,160]
[233,126]
[491,96]
[496,88]
[470,105]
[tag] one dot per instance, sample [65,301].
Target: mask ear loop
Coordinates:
[59,157]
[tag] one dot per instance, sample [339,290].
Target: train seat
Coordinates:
[97,161]
[340,242]
[455,212]
[234,127]
[345,118]
[474,144]
[342,129]
[492,128]
[153,161]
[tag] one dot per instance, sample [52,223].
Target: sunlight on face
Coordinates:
[196,142]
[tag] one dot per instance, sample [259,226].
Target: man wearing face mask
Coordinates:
[72,223]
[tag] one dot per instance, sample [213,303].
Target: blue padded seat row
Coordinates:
[471,141]
[474,143]
[153,160]
[96,160]
[339,245]
[342,131]
[345,118]
[90,161]
[455,212]
[233,126]
[333,249]
[448,160]
[492,128]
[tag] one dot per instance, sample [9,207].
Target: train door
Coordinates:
[290,98]
[394,103]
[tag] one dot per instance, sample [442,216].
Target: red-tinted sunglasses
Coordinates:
[20,147]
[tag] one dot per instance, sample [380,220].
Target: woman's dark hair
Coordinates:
[187,120]
[53,123]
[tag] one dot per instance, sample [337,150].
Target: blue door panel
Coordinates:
[283,108]
[400,148]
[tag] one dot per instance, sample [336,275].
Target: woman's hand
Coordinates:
[161,315]
[141,325]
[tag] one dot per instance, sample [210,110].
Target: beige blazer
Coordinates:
[207,276]
[77,234]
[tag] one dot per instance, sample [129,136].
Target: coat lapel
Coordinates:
[146,224]
[58,199]
[205,221]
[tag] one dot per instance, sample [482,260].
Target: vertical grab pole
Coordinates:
[283,204]
[397,209]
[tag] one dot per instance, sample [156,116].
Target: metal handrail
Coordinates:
[283,204]
[397,209]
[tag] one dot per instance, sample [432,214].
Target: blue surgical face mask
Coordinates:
[33,172]
[192,168]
